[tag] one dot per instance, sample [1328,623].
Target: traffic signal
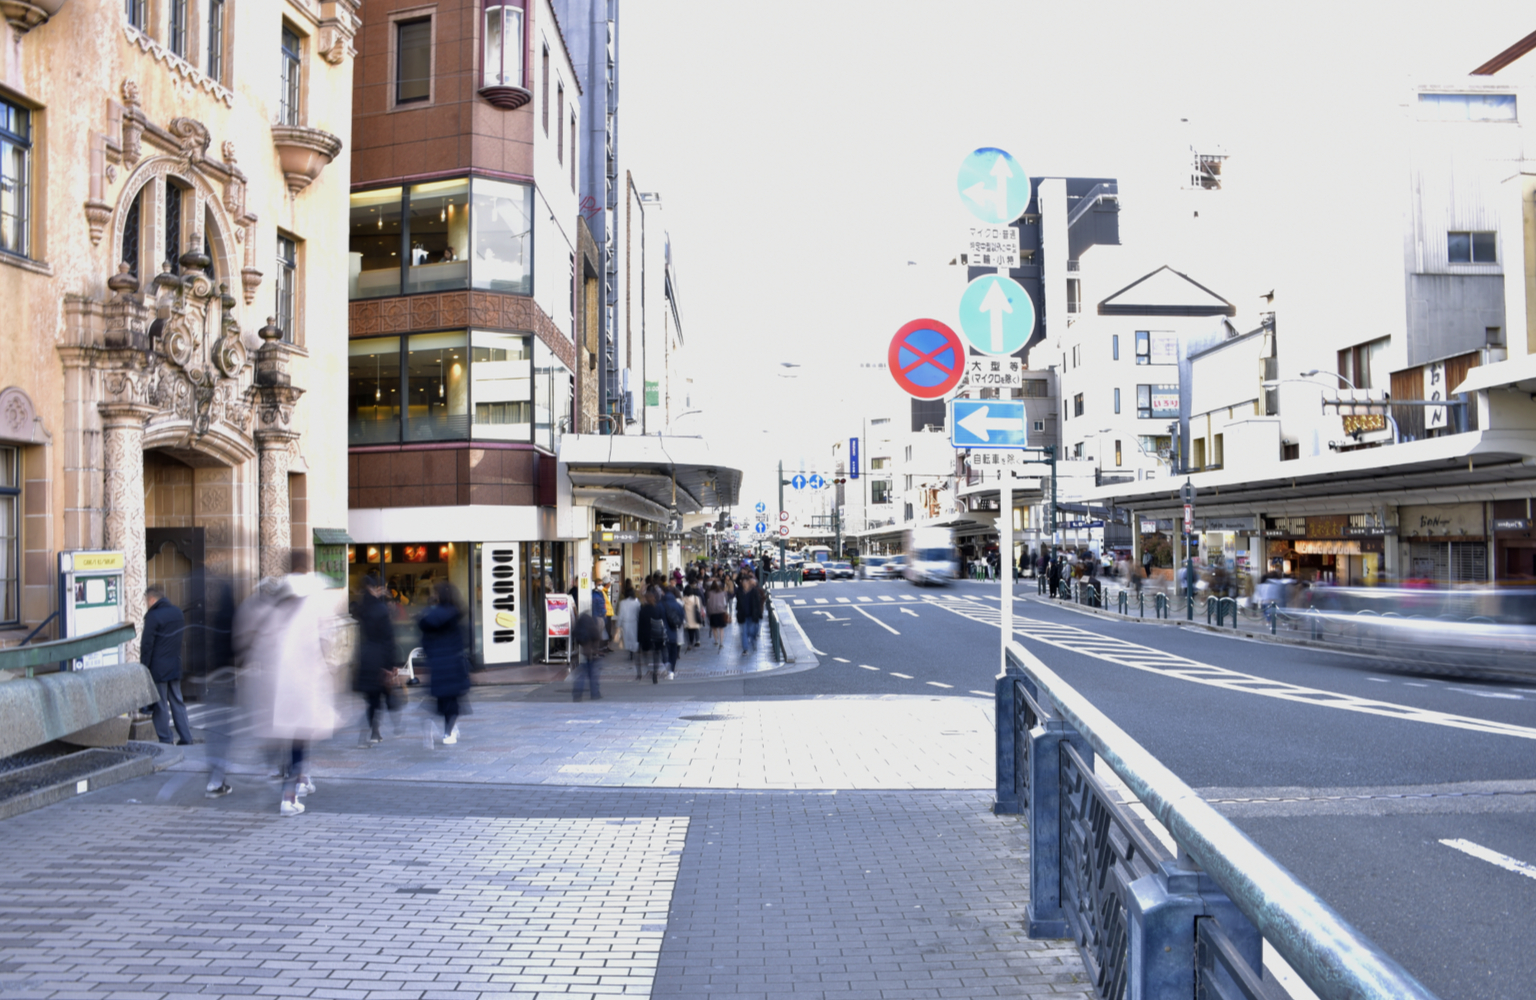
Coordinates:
[839,481]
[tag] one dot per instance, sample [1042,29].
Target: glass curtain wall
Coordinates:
[438,382]
[373,390]
[374,262]
[439,234]
[552,402]
[502,382]
[503,237]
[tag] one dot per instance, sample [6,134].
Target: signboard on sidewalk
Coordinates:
[557,616]
[91,598]
[499,617]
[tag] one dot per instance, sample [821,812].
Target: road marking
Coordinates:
[831,617]
[1488,694]
[839,659]
[843,600]
[905,677]
[864,599]
[909,611]
[1156,661]
[821,600]
[865,666]
[938,685]
[877,621]
[1379,680]
[799,600]
[886,597]
[1492,857]
[1415,684]
[984,694]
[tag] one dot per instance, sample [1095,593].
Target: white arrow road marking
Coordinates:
[909,611]
[996,303]
[1492,857]
[978,424]
[1156,661]
[905,677]
[877,621]
[831,617]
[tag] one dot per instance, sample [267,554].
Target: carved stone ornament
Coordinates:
[18,418]
[97,215]
[133,124]
[21,15]
[193,137]
[303,152]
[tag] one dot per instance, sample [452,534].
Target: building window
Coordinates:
[413,60]
[131,233]
[1470,248]
[878,421]
[502,237]
[1494,336]
[573,149]
[559,122]
[171,235]
[1114,347]
[1364,366]
[176,35]
[10,535]
[1117,400]
[373,390]
[1077,405]
[15,179]
[544,97]
[876,464]
[437,219]
[1074,295]
[1467,107]
[1039,425]
[437,387]
[287,287]
[1157,401]
[504,46]
[137,12]
[502,384]
[879,491]
[1034,388]
[1077,355]
[1143,347]
[1117,452]
[216,40]
[291,80]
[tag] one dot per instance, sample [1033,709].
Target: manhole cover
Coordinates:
[703,718]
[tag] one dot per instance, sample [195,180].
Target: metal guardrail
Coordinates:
[776,634]
[51,654]
[1149,924]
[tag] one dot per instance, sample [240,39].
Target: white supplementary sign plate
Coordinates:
[992,246]
[994,373]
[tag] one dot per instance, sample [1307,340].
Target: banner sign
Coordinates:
[498,603]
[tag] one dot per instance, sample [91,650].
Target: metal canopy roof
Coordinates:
[1461,467]
[647,476]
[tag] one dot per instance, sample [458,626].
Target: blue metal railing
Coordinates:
[1149,923]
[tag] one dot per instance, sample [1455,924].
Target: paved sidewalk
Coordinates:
[677,841]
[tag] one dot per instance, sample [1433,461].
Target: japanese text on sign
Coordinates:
[995,373]
[992,246]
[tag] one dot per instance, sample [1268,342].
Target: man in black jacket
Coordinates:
[160,651]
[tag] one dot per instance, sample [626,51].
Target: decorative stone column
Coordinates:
[123,497]
[275,399]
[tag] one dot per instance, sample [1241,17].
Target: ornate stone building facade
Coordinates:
[173,307]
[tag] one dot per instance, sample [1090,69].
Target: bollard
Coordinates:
[1008,802]
[1125,603]
[1141,602]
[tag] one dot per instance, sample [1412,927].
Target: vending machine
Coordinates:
[91,598]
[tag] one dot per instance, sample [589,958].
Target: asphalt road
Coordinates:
[1376,767]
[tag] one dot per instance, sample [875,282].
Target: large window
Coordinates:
[137,12]
[178,28]
[437,379]
[503,46]
[1364,366]
[15,178]
[879,491]
[216,40]
[1157,401]
[456,386]
[502,379]
[373,390]
[1471,248]
[440,236]
[10,535]
[291,80]
[413,60]
[439,227]
[287,287]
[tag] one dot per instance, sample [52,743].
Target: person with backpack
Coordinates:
[591,641]
[675,618]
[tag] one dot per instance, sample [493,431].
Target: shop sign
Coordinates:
[1327,526]
[498,608]
[1511,524]
[624,536]
[91,598]
[1236,525]
[1440,520]
[557,616]
[1364,530]
[1162,524]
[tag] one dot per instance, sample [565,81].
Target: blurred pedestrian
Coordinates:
[718,606]
[160,651]
[442,641]
[629,620]
[292,691]
[220,690]
[675,617]
[693,613]
[749,613]
[377,656]
[653,635]
[590,644]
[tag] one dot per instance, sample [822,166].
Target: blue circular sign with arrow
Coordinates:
[798,482]
[993,187]
[816,482]
[996,315]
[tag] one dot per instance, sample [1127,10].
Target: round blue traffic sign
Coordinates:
[993,187]
[997,315]
[926,358]
[798,482]
[816,482]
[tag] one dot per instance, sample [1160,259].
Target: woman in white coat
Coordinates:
[629,618]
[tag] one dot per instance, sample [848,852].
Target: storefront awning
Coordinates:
[647,476]
[1515,373]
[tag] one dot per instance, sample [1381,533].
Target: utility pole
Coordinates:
[782,522]
[1187,492]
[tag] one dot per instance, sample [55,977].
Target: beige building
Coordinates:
[173,304]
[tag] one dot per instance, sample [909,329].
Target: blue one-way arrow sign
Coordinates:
[987,423]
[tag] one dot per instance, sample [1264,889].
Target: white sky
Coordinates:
[806,150]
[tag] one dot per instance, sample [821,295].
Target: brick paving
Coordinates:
[671,845]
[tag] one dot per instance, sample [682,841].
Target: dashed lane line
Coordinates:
[905,677]
[984,694]
[843,600]
[938,684]
[1493,857]
[822,600]
[839,659]
[866,600]
[865,666]
[1156,661]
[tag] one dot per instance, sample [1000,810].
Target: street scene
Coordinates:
[584,498]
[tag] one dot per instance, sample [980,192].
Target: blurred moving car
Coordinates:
[873,567]
[840,571]
[813,571]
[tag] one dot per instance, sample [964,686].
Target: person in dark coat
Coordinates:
[591,642]
[653,635]
[674,617]
[442,640]
[1055,576]
[160,651]
[376,654]
[749,613]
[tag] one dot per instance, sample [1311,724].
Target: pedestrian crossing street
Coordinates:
[1148,659]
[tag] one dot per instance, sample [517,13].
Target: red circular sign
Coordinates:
[926,358]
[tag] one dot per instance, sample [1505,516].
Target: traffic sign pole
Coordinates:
[1005,563]
[781,511]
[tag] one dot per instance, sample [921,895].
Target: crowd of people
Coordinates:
[663,617]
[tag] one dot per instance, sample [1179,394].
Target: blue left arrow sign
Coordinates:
[987,423]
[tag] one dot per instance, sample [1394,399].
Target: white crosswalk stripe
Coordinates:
[864,599]
[1157,661]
